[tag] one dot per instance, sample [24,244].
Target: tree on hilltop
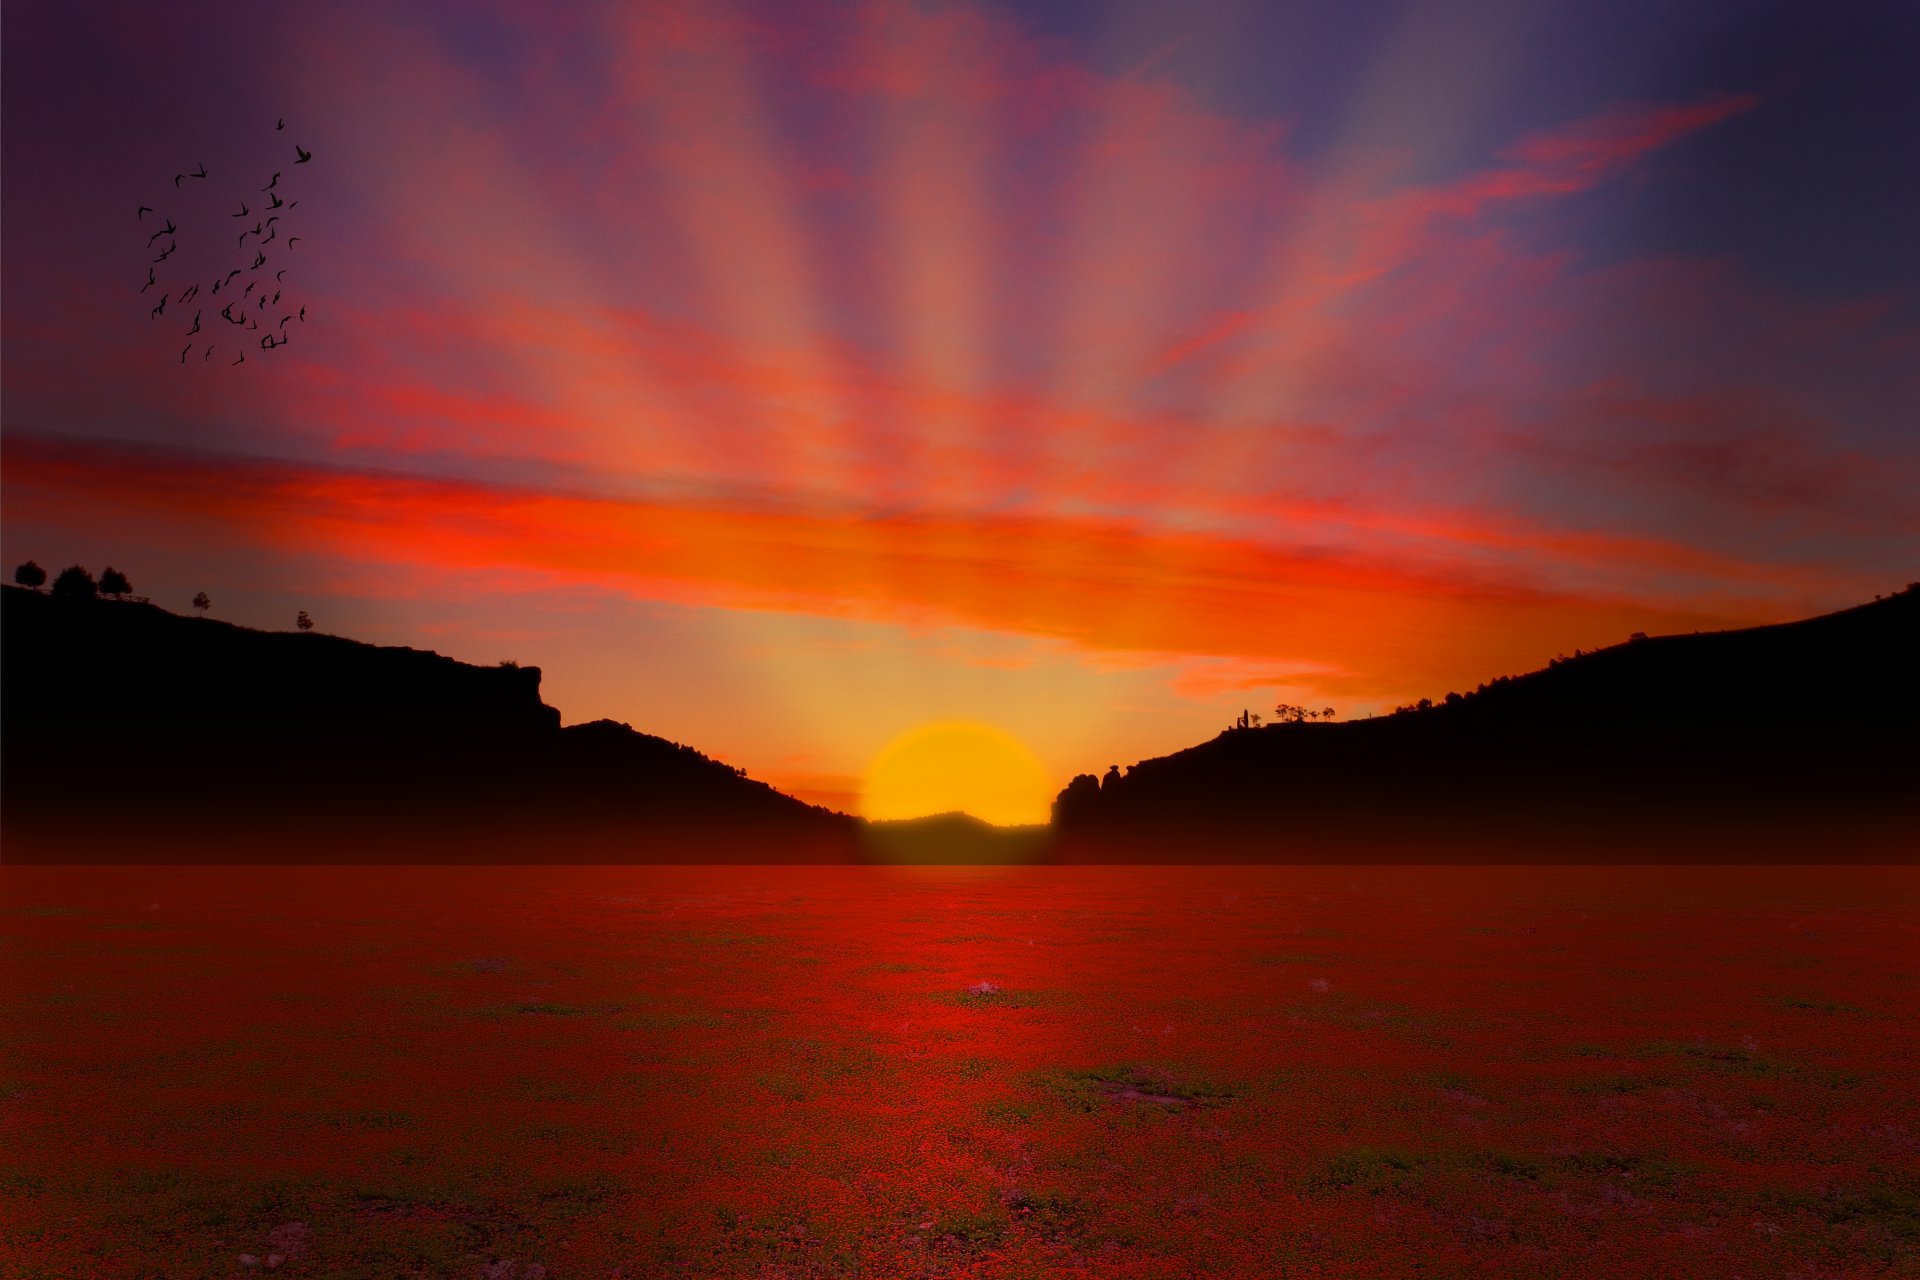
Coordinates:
[30,575]
[203,604]
[75,583]
[114,583]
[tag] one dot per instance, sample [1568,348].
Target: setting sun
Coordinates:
[957,765]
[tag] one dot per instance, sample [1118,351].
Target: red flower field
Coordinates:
[1126,1072]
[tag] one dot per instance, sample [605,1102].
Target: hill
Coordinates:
[133,734]
[1798,740]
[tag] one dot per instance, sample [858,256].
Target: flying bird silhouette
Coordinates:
[243,210]
[280,276]
[196,322]
[156,313]
[283,321]
[167,230]
[209,354]
[276,178]
[292,241]
[268,343]
[149,284]
[231,274]
[189,295]
[242,359]
[276,295]
[279,125]
[183,352]
[143,211]
[303,315]
[177,178]
[250,285]
[303,154]
[201,172]
[271,233]
[259,262]
[277,202]
[263,302]
[167,252]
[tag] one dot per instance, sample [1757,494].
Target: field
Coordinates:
[1131,1072]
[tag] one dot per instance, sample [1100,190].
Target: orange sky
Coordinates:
[779,383]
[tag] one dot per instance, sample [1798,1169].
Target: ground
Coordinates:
[1130,1072]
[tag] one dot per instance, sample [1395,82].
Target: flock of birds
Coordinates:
[244,309]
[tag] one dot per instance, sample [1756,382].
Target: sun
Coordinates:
[957,765]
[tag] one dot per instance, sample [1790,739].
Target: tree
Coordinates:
[114,583]
[303,621]
[30,575]
[203,604]
[1326,713]
[75,583]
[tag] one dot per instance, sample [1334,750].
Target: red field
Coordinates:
[799,1072]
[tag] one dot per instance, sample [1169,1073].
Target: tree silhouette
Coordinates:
[114,583]
[75,583]
[203,604]
[30,575]
[303,621]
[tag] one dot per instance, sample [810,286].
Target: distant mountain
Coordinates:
[955,838]
[1800,740]
[130,733]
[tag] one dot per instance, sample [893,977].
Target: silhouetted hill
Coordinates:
[1796,740]
[130,732]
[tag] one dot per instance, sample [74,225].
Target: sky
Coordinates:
[783,378]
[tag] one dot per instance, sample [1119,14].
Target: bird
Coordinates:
[196,323]
[231,274]
[303,315]
[276,295]
[279,125]
[293,204]
[270,235]
[270,185]
[201,172]
[189,295]
[209,354]
[183,352]
[263,302]
[244,235]
[149,284]
[283,321]
[250,285]
[242,359]
[268,343]
[143,211]
[277,202]
[253,324]
[216,286]
[243,210]
[167,252]
[302,153]
[160,310]
[280,275]
[177,179]
[167,230]
[292,241]
[259,261]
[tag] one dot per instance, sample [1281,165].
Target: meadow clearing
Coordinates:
[518,1072]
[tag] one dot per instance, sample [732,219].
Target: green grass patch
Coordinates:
[1371,1170]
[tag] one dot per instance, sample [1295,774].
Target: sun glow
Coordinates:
[957,765]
